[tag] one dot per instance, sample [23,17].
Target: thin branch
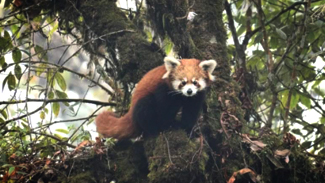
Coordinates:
[63,68]
[21,11]
[45,134]
[249,36]
[46,101]
[83,124]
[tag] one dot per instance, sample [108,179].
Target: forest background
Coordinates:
[62,61]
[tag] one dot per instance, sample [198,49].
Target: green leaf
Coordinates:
[281,33]
[40,69]
[41,53]
[7,36]
[60,80]
[7,3]
[149,36]
[56,108]
[11,169]
[297,131]
[241,29]
[26,52]
[319,92]
[53,29]
[51,95]
[50,79]
[4,114]
[62,131]
[11,82]
[61,95]
[15,31]
[322,151]
[168,45]
[284,98]
[322,120]
[306,145]
[305,101]
[2,62]
[16,55]
[3,43]
[42,115]
[4,82]
[294,99]
[17,70]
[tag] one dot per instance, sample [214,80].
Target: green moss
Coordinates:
[129,162]
[85,177]
[137,57]
[85,169]
[176,158]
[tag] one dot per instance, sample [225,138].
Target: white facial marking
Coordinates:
[189,90]
[176,83]
[202,83]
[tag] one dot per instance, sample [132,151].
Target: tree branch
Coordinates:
[239,48]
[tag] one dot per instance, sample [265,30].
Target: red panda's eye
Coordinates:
[183,82]
[194,82]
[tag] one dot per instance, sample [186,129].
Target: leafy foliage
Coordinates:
[287,63]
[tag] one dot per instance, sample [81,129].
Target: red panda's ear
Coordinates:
[209,66]
[170,64]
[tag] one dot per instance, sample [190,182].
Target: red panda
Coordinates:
[159,95]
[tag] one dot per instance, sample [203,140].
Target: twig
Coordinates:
[249,36]
[46,102]
[169,156]
[82,124]
[63,68]
[47,135]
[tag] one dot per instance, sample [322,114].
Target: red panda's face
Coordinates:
[189,76]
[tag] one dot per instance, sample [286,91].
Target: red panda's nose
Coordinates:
[189,91]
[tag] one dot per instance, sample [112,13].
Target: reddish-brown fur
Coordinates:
[123,128]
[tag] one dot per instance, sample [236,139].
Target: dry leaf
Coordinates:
[83,144]
[243,171]
[282,153]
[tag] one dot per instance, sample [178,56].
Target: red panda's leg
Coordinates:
[191,111]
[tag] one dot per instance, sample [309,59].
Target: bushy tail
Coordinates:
[109,125]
